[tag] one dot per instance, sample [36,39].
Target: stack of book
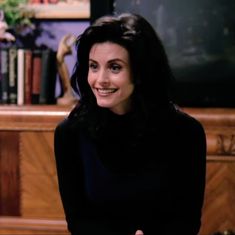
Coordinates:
[27,76]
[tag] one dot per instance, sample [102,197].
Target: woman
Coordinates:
[128,161]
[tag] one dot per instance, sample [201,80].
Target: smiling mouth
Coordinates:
[106,91]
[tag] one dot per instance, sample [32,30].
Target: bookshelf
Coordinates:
[33,53]
[28,76]
[29,197]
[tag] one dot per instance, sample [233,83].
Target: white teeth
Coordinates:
[106,90]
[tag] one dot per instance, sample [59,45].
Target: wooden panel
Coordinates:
[34,117]
[219,125]
[26,133]
[9,174]
[39,187]
[21,226]
[219,206]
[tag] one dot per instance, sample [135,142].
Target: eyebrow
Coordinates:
[110,61]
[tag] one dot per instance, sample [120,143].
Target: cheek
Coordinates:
[129,84]
[128,90]
[90,79]
[131,90]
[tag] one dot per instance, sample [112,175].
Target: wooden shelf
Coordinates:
[32,117]
[219,125]
[61,10]
[26,226]
[213,116]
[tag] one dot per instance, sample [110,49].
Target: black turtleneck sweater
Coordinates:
[124,182]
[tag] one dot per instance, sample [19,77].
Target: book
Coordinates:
[36,75]
[48,77]
[4,75]
[12,81]
[27,76]
[20,76]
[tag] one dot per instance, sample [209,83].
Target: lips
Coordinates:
[106,91]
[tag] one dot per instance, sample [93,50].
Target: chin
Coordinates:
[104,105]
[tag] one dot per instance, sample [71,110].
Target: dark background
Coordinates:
[199,38]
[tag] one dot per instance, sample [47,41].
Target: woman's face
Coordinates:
[110,77]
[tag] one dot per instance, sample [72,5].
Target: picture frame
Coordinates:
[199,38]
[59,9]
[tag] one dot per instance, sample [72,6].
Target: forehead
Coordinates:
[108,51]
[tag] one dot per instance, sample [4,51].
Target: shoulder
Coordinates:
[66,136]
[181,127]
[63,126]
[189,130]
[69,125]
[188,122]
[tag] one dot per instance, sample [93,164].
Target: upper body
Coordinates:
[127,158]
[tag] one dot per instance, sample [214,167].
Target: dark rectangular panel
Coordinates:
[9,174]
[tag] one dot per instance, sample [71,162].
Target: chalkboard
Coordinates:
[199,38]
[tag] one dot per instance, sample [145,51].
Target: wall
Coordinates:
[48,33]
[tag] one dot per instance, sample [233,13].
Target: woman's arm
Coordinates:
[70,174]
[178,210]
[188,180]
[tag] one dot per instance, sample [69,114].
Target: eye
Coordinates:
[93,66]
[115,68]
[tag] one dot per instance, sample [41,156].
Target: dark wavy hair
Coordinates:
[150,68]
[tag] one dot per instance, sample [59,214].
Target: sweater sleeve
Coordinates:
[70,174]
[188,181]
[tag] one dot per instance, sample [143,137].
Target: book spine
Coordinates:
[52,74]
[20,76]
[36,76]
[44,77]
[5,74]
[48,77]
[12,75]
[28,76]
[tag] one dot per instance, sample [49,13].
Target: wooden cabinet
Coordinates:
[28,181]
[29,197]
[219,205]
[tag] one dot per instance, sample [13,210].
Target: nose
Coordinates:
[102,77]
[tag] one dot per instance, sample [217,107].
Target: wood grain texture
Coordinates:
[28,181]
[219,205]
[9,174]
[39,187]
[219,124]
[32,118]
[22,226]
